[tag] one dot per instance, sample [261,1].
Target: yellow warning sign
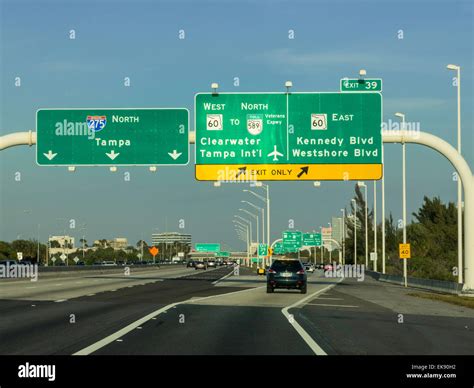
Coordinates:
[405,251]
[287,172]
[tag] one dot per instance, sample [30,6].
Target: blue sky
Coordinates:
[223,40]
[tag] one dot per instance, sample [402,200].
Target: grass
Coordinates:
[464,301]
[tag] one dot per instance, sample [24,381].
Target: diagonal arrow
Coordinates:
[50,155]
[241,171]
[175,155]
[112,155]
[304,170]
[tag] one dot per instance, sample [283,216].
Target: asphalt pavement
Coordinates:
[183,311]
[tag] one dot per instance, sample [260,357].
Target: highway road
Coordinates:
[182,311]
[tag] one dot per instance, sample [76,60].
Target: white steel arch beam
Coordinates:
[467,179]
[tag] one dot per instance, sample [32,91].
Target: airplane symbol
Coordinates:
[275,154]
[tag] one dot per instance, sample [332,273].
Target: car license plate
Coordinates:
[286,274]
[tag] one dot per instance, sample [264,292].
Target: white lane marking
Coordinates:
[29,288]
[120,340]
[329,305]
[122,332]
[222,278]
[60,300]
[302,332]
[58,285]
[90,294]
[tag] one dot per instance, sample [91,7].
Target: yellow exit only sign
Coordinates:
[405,251]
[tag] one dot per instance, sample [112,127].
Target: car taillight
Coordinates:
[271,271]
[300,272]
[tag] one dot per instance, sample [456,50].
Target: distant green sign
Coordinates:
[278,248]
[361,85]
[292,239]
[262,249]
[115,137]
[256,260]
[312,239]
[208,247]
[222,254]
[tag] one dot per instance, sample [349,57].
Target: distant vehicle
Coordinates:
[97,263]
[309,268]
[211,263]
[190,264]
[81,263]
[109,263]
[25,262]
[200,265]
[286,273]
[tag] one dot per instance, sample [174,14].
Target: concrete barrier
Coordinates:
[426,284]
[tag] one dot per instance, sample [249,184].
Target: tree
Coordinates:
[360,224]
[54,244]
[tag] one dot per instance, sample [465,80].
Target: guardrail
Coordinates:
[426,284]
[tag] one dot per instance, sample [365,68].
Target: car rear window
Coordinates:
[286,265]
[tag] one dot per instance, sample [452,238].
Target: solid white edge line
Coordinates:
[223,277]
[302,332]
[127,329]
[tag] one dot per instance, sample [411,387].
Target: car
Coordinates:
[81,263]
[309,268]
[200,265]
[211,263]
[109,263]
[190,264]
[286,273]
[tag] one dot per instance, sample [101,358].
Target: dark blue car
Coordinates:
[286,273]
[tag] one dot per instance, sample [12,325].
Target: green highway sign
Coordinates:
[292,240]
[256,260]
[361,85]
[208,247]
[112,137]
[312,239]
[222,254]
[262,249]
[288,136]
[278,248]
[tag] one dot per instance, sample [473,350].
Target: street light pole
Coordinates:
[460,261]
[343,229]
[355,230]
[383,212]
[267,201]
[375,227]
[362,184]
[260,209]
[404,194]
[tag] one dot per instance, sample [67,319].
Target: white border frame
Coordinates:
[361,91]
[283,93]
